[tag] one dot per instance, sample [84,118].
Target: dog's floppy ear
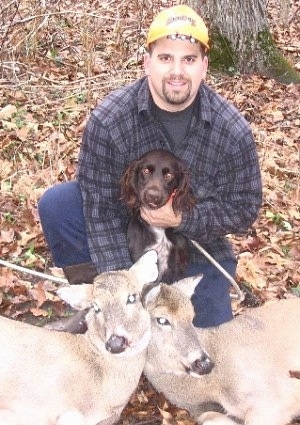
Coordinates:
[184,199]
[128,187]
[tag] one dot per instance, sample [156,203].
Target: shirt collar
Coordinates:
[203,107]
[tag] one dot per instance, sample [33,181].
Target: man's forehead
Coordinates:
[177,46]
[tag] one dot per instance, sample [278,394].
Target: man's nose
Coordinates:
[177,67]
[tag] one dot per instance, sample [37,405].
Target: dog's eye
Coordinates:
[146,171]
[168,176]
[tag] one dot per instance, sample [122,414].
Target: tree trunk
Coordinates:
[241,40]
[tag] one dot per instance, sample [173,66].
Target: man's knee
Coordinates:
[57,200]
[211,300]
[63,223]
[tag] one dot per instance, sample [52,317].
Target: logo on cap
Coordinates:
[172,19]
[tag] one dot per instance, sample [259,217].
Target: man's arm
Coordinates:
[100,165]
[232,202]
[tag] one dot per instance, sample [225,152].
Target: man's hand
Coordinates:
[162,217]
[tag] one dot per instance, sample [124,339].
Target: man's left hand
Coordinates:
[162,217]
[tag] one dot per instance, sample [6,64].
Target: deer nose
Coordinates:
[116,344]
[202,366]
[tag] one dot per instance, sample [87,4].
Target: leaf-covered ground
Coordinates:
[57,63]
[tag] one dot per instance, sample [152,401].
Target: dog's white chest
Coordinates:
[163,247]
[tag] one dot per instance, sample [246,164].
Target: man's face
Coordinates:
[175,69]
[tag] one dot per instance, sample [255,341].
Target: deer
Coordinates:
[251,375]
[58,378]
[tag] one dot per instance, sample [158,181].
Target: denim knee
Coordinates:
[56,200]
[211,299]
[61,215]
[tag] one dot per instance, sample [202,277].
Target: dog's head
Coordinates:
[151,180]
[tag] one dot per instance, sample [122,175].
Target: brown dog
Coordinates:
[150,182]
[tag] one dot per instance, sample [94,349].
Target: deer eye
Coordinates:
[96,308]
[163,321]
[132,298]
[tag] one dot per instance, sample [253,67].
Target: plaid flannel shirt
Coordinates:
[220,154]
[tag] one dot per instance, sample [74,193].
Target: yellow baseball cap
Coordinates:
[178,20]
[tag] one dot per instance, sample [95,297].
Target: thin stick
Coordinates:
[33,272]
[240,295]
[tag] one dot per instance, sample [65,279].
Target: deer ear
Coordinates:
[146,268]
[78,296]
[188,284]
[150,292]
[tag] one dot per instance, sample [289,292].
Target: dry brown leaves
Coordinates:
[269,255]
[57,64]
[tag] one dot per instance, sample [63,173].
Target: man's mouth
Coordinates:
[176,83]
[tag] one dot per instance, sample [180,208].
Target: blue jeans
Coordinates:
[61,214]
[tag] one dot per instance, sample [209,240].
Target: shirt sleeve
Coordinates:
[100,166]
[229,192]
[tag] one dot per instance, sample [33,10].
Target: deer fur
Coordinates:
[49,377]
[256,356]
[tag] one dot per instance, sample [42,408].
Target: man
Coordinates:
[171,108]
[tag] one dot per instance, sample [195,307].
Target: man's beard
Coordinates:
[176,97]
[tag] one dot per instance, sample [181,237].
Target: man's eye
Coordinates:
[164,58]
[190,60]
[163,321]
[132,298]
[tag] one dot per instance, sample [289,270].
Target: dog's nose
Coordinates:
[153,198]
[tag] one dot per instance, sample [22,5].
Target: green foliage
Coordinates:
[285,250]
[278,219]
[82,97]
[296,291]
[9,218]
[61,118]
[277,65]
[30,256]
[221,56]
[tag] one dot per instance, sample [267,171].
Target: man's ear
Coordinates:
[204,67]
[146,61]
